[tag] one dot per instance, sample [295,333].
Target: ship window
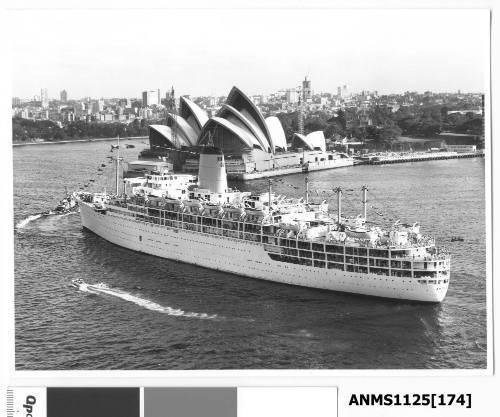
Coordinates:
[335,249]
[318,247]
[304,245]
[335,258]
[378,253]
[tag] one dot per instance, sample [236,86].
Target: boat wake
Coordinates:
[102,288]
[23,223]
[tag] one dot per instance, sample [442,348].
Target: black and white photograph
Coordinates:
[251,189]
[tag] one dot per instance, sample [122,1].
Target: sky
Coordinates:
[120,53]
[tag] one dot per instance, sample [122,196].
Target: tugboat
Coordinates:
[67,205]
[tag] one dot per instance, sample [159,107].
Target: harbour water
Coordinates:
[151,313]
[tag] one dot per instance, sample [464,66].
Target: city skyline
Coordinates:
[57,96]
[206,52]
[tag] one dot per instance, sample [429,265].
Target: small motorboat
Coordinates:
[66,205]
[128,146]
[77,282]
[114,147]
[457,239]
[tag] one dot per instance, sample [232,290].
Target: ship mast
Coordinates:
[338,190]
[307,190]
[118,166]
[269,184]
[364,188]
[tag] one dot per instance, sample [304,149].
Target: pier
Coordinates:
[421,156]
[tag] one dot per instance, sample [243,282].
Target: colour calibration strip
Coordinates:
[172,402]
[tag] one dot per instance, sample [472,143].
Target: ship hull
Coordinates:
[246,258]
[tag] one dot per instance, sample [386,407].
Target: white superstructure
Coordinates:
[272,237]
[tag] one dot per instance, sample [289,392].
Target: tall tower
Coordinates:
[44,98]
[300,116]
[64,96]
[306,89]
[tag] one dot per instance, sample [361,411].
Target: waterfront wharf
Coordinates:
[418,157]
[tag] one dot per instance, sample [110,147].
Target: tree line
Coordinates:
[386,125]
[27,130]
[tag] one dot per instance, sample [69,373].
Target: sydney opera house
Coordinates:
[250,142]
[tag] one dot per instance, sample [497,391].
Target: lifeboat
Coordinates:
[235,213]
[194,206]
[361,233]
[316,232]
[336,235]
[290,227]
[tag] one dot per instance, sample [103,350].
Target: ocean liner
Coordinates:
[266,236]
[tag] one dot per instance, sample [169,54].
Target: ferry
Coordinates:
[268,236]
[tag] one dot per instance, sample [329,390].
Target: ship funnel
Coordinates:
[212,170]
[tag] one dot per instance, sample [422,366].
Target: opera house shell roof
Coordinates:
[312,141]
[238,126]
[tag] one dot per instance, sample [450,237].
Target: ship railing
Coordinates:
[422,258]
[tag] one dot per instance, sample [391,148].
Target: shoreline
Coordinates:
[75,141]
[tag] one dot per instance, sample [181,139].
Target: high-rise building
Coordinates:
[64,96]
[339,91]
[151,98]
[291,96]
[95,107]
[16,101]
[344,91]
[306,89]
[44,98]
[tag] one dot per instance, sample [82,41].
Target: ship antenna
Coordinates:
[364,188]
[338,190]
[118,166]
